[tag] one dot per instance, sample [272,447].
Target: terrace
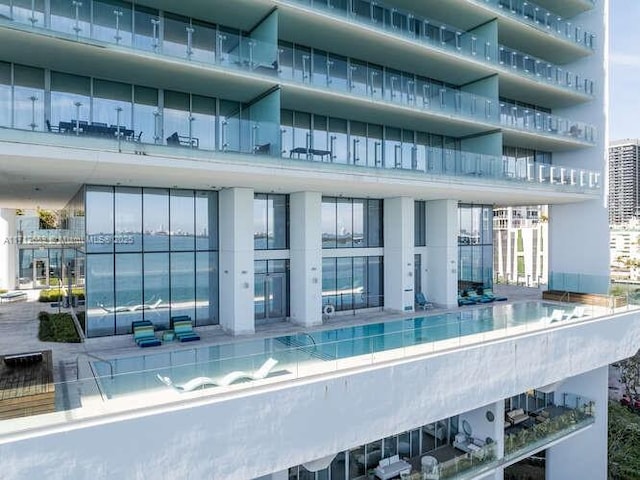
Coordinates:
[108,375]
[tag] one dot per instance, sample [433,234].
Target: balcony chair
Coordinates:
[488,293]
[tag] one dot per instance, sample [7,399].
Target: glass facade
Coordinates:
[475,244]
[351,223]
[350,283]
[150,254]
[317,137]
[270,222]
[357,462]
[518,162]
[84,106]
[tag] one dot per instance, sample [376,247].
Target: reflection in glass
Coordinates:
[28,95]
[100,290]
[129,304]
[155,203]
[181,220]
[183,287]
[128,219]
[99,218]
[156,288]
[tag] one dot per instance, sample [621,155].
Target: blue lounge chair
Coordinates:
[487,292]
[462,300]
[183,330]
[473,295]
[422,302]
[144,336]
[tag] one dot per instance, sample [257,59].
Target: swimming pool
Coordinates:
[302,353]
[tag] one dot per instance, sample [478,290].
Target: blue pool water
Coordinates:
[128,375]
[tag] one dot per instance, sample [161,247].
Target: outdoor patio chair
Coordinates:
[462,300]
[422,302]
[473,295]
[144,336]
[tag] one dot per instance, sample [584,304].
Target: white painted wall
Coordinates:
[582,228]
[305,237]
[442,241]
[8,249]
[399,241]
[236,260]
[272,428]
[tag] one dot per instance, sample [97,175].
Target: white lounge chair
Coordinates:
[259,374]
[228,379]
[576,313]
[556,316]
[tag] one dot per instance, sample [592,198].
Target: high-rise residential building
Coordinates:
[519,245]
[284,178]
[624,181]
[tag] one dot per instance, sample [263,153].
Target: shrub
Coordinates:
[2,290]
[57,327]
[56,294]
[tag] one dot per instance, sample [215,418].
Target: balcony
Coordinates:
[544,20]
[257,143]
[448,110]
[450,40]
[547,425]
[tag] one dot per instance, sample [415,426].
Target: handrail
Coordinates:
[91,355]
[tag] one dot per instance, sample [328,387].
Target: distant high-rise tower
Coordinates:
[624,183]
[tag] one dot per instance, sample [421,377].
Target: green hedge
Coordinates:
[57,327]
[2,290]
[56,294]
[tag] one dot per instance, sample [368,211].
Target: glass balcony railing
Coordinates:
[445,38]
[539,17]
[467,464]
[265,140]
[549,424]
[358,79]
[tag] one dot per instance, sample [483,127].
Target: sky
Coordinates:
[624,68]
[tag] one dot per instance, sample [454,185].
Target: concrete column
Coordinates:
[442,241]
[398,254]
[568,459]
[236,260]
[498,429]
[305,258]
[8,249]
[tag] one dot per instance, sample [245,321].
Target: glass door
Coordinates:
[41,273]
[270,296]
[276,296]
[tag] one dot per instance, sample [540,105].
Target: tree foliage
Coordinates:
[48,219]
[630,375]
[624,443]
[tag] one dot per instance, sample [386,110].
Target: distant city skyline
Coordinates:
[624,62]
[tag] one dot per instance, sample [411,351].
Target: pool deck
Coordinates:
[71,362]
[19,330]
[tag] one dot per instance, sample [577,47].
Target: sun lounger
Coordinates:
[576,313]
[556,316]
[487,292]
[228,379]
[473,295]
[183,330]
[465,300]
[144,336]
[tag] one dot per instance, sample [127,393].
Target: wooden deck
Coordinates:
[27,390]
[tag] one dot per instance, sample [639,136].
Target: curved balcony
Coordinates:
[448,39]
